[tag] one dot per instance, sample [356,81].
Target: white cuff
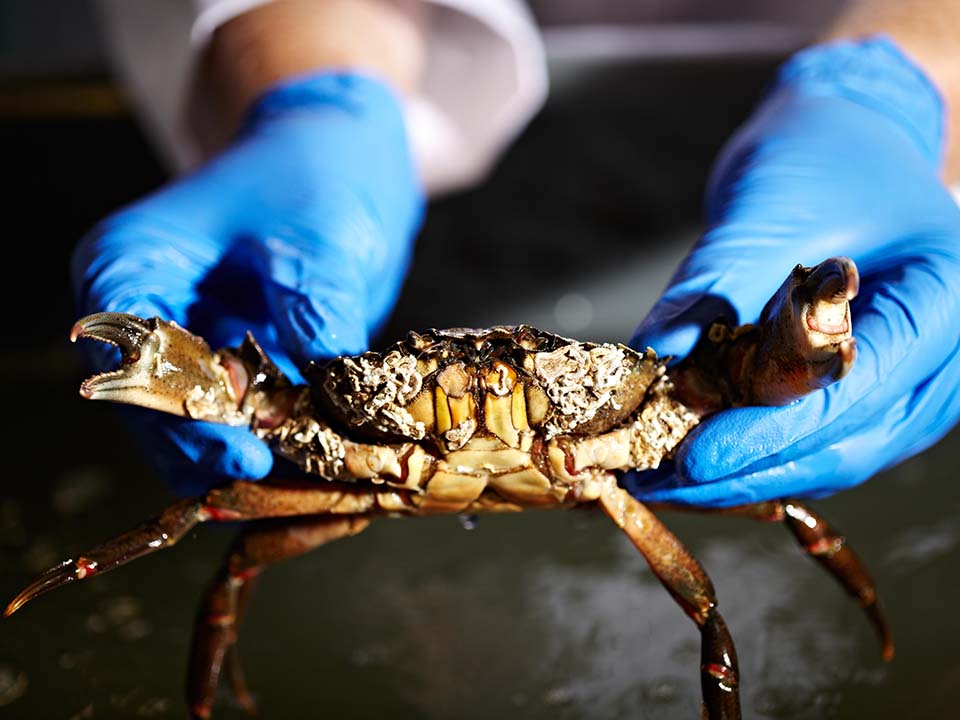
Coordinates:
[485,77]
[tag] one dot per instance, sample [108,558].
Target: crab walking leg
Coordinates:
[215,633]
[688,583]
[172,524]
[238,500]
[829,548]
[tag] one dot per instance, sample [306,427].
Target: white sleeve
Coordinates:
[485,77]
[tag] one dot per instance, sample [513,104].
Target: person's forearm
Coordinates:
[927,30]
[286,38]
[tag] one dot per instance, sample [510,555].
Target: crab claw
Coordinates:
[125,331]
[806,334]
[64,573]
[165,368]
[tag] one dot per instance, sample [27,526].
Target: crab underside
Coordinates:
[468,421]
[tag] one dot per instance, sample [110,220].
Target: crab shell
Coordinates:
[501,418]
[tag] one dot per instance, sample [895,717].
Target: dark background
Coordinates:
[543,615]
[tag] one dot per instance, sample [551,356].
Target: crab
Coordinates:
[472,421]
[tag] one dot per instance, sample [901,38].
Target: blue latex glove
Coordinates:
[841,158]
[300,231]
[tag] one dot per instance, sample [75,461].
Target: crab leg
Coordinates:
[215,633]
[829,548]
[238,500]
[165,530]
[688,583]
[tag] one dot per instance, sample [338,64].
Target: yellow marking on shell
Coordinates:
[491,502]
[518,408]
[538,404]
[421,410]
[462,409]
[591,488]
[484,443]
[524,485]
[449,492]
[498,417]
[472,460]
[442,410]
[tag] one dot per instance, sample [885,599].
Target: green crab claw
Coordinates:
[163,367]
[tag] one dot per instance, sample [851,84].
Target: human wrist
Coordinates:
[364,98]
[284,39]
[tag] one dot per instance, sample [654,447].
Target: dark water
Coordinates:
[541,615]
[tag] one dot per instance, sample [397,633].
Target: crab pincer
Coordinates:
[162,366]
[806,334]
[167,368]
[802,342]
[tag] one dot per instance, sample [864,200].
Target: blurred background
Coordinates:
[544,615]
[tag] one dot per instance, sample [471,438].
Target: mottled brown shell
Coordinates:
[441,385]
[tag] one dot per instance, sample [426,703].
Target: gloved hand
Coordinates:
[841,158]
[300,232]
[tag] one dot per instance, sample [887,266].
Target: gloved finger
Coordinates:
[335,257]
[138,263]
[118,267]
[194,456]
[760,227]
[317,316]
[642,484]
[314,274]
[734,279]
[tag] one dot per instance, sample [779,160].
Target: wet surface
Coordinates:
[541,615]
